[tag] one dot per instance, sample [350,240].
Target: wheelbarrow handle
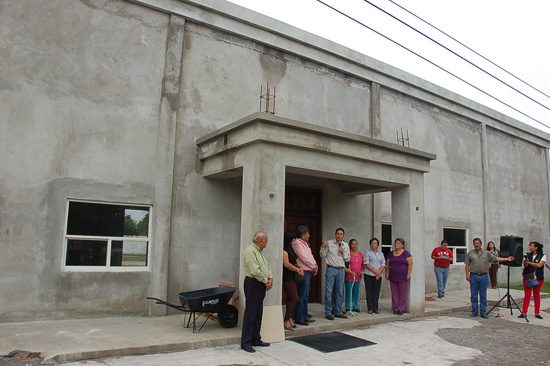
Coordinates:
[162,302]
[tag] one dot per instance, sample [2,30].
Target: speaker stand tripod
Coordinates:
[509,297]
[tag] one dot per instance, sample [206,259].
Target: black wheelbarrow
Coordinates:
[209,300]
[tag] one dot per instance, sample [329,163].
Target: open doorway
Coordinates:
[304,206]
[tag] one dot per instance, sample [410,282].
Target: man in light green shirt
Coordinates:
[257,282]
[255,262]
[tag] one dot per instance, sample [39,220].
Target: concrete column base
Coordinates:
[272,324]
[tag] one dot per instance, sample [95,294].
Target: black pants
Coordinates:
[372,286]
[254,291]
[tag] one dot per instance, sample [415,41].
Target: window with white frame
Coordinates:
[107,236]
[457,239]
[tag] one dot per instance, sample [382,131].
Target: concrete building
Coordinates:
[141,122]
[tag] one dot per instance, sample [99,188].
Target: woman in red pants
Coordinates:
[533,265]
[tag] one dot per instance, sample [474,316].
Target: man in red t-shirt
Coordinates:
[443,257]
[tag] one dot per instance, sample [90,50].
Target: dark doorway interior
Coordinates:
[304,206]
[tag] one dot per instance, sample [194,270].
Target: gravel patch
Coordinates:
[502,342]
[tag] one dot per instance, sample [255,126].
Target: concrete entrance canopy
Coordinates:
[262,148]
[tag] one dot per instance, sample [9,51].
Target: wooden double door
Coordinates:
[304,206]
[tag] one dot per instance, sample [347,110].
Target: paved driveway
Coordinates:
[456,339]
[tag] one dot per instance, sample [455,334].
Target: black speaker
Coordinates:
[511,246]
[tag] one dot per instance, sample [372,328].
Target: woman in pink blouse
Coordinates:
[353,276]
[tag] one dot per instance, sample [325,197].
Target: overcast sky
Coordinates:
[512,34]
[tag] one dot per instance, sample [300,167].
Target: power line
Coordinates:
[456,54]
[432,63]
[470,49]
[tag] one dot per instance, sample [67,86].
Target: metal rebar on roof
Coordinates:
[267,100]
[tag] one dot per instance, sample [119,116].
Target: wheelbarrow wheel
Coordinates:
[228,316]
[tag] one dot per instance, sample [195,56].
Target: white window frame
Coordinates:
[109,239]
[454,247]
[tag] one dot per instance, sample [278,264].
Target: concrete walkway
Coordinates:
[79,339]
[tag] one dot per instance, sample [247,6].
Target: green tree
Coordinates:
[142,228]
[130,226]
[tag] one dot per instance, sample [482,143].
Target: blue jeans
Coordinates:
[478,286]
[441,275]
[334,281]
[303,297]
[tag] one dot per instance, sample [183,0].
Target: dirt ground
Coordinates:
[503,342]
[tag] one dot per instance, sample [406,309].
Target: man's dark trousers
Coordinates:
[254,291]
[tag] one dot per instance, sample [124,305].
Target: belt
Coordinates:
[334,267]
[479,274]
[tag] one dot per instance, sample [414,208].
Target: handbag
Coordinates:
[530,280]
[298,278]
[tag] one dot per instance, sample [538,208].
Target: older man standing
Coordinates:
[477,269]
[336,254]
[257,282]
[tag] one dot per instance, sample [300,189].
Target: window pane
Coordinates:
[86,253]
[96,219]
[129,253]
[136,222]
[455,237]
[386,234]
[461,255]
[386,251]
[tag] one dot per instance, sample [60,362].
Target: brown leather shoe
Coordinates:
[341,316]
[329,317]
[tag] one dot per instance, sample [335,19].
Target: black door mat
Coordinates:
[331,342]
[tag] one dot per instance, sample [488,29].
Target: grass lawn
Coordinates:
[134,257]
[545,287]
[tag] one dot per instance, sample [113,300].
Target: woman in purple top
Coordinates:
[398,272]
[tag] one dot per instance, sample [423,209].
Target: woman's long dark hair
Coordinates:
[537,245]
[288,237]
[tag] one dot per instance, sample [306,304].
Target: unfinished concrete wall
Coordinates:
[93,107]
[221,82]
[454,195]
[516,193]
[79,106]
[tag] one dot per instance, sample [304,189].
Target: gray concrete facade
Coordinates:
[155,103]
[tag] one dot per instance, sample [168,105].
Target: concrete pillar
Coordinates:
[375,121]
[548,181]
[165,164]
[408,223]
[375,126]
[263,203]
[484,178]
